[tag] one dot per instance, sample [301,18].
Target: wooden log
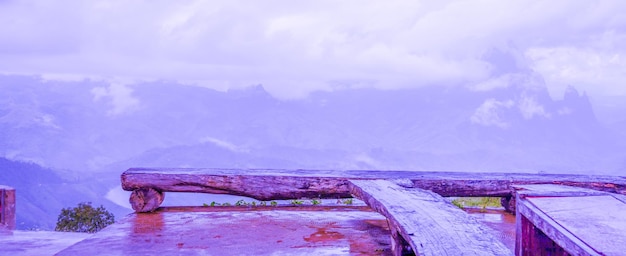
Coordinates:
[263,184]
[426,221]
[7,208]
[146,199]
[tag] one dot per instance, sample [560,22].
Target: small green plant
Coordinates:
[315,201]
[297,202]
[205,205]
[477,202]
[458,203]
[347,201]
[84,218]
[274,203]
[240,203]
[253,203]
[215,204]
[262,203]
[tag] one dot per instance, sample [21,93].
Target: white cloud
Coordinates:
[601,72]
[564,111]
[488,113]
[498,82]
[223,144]
[285,45]
[529,108]
[120,97]
[47,121]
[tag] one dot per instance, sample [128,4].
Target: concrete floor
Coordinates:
[34,243]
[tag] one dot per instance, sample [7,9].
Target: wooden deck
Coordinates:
[561,220]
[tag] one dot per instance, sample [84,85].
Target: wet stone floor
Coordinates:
[502,223]
[319,230]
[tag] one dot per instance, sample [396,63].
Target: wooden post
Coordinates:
[508,202]
[7,207]
[533,241]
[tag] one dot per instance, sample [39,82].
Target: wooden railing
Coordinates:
[7,207]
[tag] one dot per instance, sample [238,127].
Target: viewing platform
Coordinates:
[403,213]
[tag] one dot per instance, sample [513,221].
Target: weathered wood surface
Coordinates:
[426,222]
[555,190]
[535,242]
[146,199]
[577,221]
[265,184]
[7,208]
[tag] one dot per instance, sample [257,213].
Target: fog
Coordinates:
[88,90]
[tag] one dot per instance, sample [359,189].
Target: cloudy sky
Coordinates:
[294,47]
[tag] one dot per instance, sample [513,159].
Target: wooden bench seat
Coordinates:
[426,222]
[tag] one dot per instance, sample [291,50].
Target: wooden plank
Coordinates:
[266,184]
[426,221]
[542,222]
[575,220]
[597,221]
[555,190]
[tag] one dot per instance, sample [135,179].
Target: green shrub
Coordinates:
[84,218]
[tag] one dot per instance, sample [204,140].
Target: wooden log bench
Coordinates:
[424,223]
[564,220]
[148,185]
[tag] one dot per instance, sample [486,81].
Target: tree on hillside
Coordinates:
[84,218]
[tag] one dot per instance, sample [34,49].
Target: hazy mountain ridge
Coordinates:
[433,128]
[41,194]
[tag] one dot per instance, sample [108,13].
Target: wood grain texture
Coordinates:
[146,199]
[551,229]
[426,221]
[599,221]
[576,221]
[267,184]
[7,208]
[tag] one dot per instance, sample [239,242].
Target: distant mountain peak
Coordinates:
[578,103]
[249,91]
[571,93]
